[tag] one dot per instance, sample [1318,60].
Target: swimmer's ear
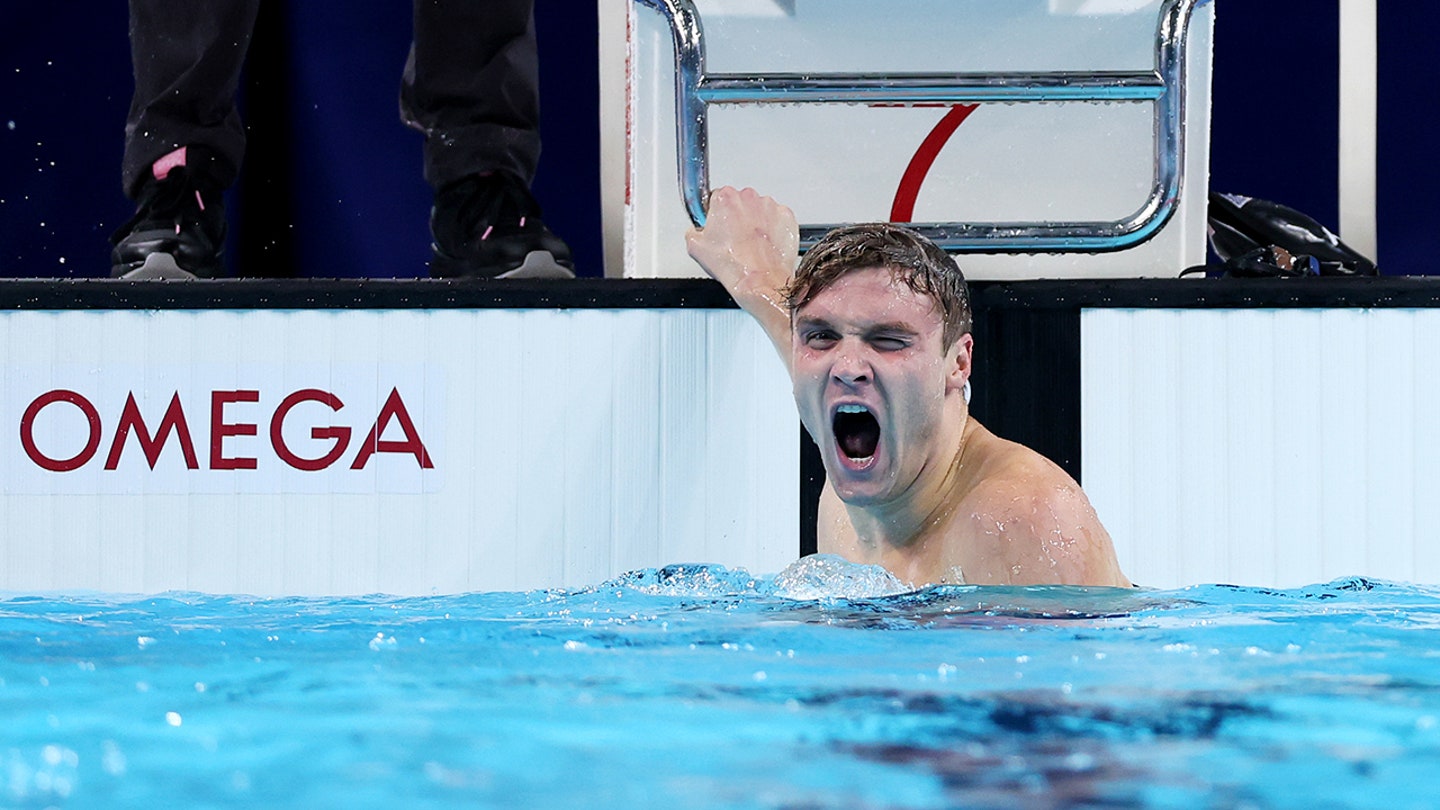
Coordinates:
[960,358]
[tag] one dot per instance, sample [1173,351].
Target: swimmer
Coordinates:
[874,328]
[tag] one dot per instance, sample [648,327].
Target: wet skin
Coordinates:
[924,490]
[869,341]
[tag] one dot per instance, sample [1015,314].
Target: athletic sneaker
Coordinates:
[178,230]
[489,226]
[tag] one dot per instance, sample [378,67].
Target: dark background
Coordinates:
[332,186]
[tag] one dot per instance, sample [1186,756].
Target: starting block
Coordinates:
[1038,138]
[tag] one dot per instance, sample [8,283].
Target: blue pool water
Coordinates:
[696,687]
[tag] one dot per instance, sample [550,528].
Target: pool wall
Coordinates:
[1268,433]
[1259,432]
[1280,447]
[272,439]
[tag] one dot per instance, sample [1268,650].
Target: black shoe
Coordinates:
[489,227]
[181,217]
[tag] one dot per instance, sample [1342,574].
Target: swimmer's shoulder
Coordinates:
[1033,522]
[1007,468]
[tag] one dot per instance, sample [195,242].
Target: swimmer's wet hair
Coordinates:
[917,261]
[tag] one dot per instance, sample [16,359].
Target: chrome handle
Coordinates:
[696,90]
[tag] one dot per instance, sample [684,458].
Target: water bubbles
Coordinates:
[54,776]
[144,642]
[10,125]
[382,642]
[112,759]
[173,719]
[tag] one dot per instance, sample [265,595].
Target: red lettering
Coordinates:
[340,434]
[394,408]
[174,420]
[27,431]
[219,429]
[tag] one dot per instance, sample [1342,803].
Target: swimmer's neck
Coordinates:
[914,525]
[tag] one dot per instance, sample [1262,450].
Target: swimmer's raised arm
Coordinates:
[750,244]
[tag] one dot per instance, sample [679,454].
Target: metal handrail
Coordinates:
[1164,86]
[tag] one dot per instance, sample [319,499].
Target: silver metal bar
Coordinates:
[859,88]
[1164,87]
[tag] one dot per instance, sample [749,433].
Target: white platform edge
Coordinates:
[569,447]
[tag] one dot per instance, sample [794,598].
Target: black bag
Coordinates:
[1262,239]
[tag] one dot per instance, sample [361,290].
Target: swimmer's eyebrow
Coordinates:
[811,322]
[896,328]
[889,328]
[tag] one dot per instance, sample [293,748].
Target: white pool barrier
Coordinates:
[1280,447]
[191,441]
[418,437]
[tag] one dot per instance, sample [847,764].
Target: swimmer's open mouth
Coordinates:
[856,432]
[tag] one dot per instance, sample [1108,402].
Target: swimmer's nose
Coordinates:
[850,368]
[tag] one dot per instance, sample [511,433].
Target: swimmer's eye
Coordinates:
[888,343]
[820,338]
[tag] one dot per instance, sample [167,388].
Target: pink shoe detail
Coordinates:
[162,167]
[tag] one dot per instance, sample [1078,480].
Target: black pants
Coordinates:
[471,85]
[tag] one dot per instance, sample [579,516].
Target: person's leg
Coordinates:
[187,59]
[471,85]
[183,137]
